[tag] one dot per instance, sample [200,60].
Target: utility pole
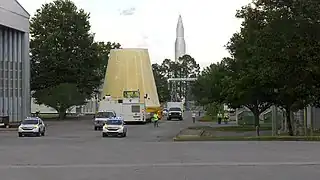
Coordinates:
[274,120]
[305,122]
[311,121]
[274,112]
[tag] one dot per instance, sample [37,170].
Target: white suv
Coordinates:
[32,126]
[114,126]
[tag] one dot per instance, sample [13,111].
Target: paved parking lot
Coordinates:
[74,151]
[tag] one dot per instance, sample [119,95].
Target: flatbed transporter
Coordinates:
[129,107]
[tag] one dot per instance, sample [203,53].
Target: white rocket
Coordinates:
[180,44]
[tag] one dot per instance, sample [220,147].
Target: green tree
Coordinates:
[60,97]
[185,67]
[208,88]
[288,43]
[169,68]
[189,67]
[209,91]
[248,86]
[213,109]
[63,49]
[103,54]
[161,83]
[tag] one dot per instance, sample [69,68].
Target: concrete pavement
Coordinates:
[74,151]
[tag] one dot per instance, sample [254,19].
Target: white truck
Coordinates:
[130,112]
[175,110]
[101,117]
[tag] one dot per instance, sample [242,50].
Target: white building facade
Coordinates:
[14,61]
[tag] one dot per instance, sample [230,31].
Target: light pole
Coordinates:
[144,99]
[274,117]
[146,114]
[311,120]
[96,100]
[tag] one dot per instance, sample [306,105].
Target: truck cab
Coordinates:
[175,113]
[101,117]
[133,112]
[132,108]
[175,110]
[128,107]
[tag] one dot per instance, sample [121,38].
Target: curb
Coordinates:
[8,129]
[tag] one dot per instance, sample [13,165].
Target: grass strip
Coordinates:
[232,128]
[241,128]
[207,118]
[248,138]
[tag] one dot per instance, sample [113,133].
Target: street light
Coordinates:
[96,100]
[274,116]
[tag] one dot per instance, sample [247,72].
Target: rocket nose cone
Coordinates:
[180,19]
[180,23]
[180,28]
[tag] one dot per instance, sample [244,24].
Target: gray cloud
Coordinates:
[128,12]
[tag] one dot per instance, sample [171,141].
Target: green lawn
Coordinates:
[233,128]
[244,128]
[208,118]
[216,134]
[314,133]
[48,116]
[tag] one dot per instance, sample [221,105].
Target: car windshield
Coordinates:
[175,109]
[30,122]
[105,114]
[114,122]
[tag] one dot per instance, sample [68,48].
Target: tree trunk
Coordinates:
[289,124]
[257,123]
[256,113]
[62,113]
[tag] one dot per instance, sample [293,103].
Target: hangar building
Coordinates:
[14,61]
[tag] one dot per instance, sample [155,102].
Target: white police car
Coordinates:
[115,127]
[32,126]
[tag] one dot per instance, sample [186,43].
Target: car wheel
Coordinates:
[104,135]
[124,134]
[168,119]
[43,133]
[95,128]
[20,134]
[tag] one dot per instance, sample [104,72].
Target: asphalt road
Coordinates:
[74,151]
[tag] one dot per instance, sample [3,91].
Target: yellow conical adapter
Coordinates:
[131,70]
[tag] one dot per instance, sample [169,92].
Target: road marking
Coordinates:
[56,166]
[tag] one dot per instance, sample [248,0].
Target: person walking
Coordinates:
[37,112]
[155,120]
[226,119]
[219,118]
[194,117]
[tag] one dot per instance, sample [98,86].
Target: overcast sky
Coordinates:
[151,24]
